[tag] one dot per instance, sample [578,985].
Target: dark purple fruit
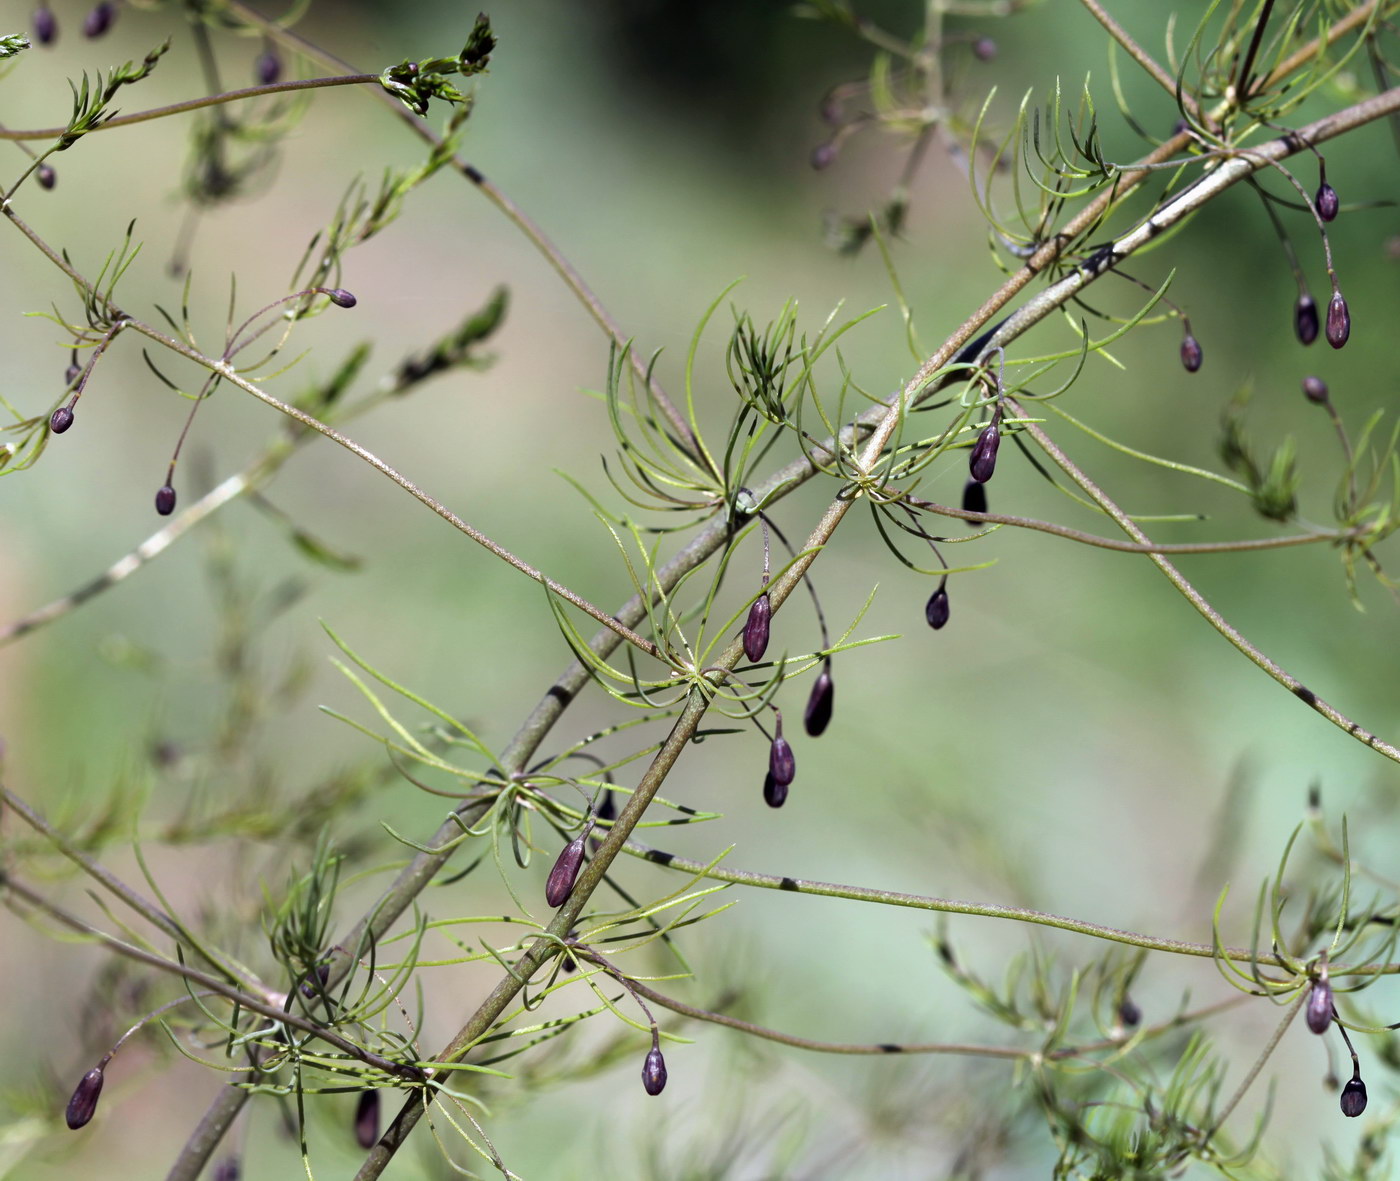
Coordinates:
[565,872]
[83,1105]
[823,155]
[46,176]
[974,498]
[268,68]
[1315,389]
[1190,353]
[774,793]
[1338,321]
[982,463]
[1354,1097]
[782,765]
[60,420]
[756,628]
[1319,1010]
[1305,322]
[1326,201]
[654,1072]
[341,298]
[984,49]
[100,19]
[1129,1013]
[45,27]
[228,1169]
[165,500]
[936,611]
[367,1119]
[817,716]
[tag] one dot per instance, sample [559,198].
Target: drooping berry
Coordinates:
[100,19]
[1319,1010]
[1354,1096]
[1190,353]
[823,155]
[936,610]
[60,420]
[774,793]
[367,1119]
[1128,1012]
[45,27]
[654,1072]
[1338,321]
[341,298]
[982,463]
[756,628]
[1327,202]
[70,375]
[1305,321]
[165,500]
[974,498]
[782,765]
[1315,389]
[228,1169]
[268,68]
[984,49]
[83,1105]
[817,716]
[565,872]
[46,176]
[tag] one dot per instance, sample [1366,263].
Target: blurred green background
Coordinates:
[1067,742]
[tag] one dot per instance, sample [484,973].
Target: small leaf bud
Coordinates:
[984,49]
[565,872]
[268,67]
[654,1072]
[974,499]
[1305,322]
[165,500]
[782,765]
[83,1105]
[1338,321]
[46,176]
[60,420]
[45,27]
[774,793]
[1319,1010]
[1190,353]
[817,716]
[1354,1097]
[1315,389]
[756,629]
[100,19]
[341,298]
[936,610]
[982,463]
[1326,201]
[367,1119]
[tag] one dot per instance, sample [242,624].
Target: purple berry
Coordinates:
[565,873]
[984,49]
[228,1169]
[654,1072]
[60,420]
[367,1119]
[823,155]
[46,176]
[936,610]
[782,765]
[1190,353]
[817,716]
[83,1105]
[774,793]
[1305,322]
[1315,389]
[1326,201]
[45,27]
[165,500]
[1129,1013]
[100,19]
[341,298]
[1354,1097]
[268,68]
[1338,321]
[983,461]
[974,498]
[756,629]
[1319,1010]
